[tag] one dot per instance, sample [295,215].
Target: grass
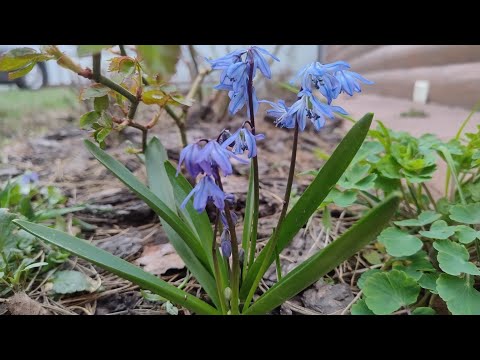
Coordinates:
[25,112]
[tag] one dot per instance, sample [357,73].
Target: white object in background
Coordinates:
[420,91]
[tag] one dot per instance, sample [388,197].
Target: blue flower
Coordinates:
[260,62]
[279,112]
[215,156]
[236,75]
[29,178]
[223,216]
[207,159]
[191,156]
[225,61]
[350,81]
[226,243]
[240,98]
[306,107]
[243,140]
[330,79]
[206,190]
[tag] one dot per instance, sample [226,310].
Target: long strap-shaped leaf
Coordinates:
[144,193]
[314,194]
[327,259]
[159,183]
[117,266]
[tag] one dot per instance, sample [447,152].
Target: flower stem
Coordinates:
[271,246]
[256,183]
[235,273]
[220,289]
[430,197]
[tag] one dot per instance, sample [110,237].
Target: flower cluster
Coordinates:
[209,159]
[330,80]
[238,68]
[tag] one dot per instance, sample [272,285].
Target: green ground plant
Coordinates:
[431,248]
[22,256]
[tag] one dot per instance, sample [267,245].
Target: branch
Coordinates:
[122,50]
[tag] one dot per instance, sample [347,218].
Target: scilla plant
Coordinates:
[229,268]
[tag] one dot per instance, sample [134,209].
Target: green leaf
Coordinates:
[474,189]
[429,282]
[372,256]
[389,168]
[117,266]
[101,135]
[414,274]
[419,261]
[89,118]
[387,292]
[20,58]
[423,311]
[35,265]
[361,308]
[387,185]
[26,208]
[148,295]
[52,214]
[170,308]
[466,214]
[365,276]
[94,91]
[160,59]
[328,258]
[399,243]
[6,226]
[453,171]
[439,230]
[369,151]
[162,210]
[248,231]
[425,218]
[459,294]
[342,199]
[466,234]
[313,196]
[124,64]
[101,103]
[21,72]
[84,50]
[70,281]
[159,183]
[453,258]
[358,177]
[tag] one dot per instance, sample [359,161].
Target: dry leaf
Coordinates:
[22,304]
[158,259]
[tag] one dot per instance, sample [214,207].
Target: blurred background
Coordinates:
[418,88]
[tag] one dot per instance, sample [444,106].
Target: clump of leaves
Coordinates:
[20,252]
[432,247]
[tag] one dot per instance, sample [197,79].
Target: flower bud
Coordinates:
[225,243]
[227,293]
[241,255]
